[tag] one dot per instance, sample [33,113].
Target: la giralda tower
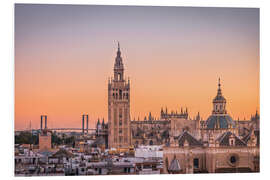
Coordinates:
[119,106]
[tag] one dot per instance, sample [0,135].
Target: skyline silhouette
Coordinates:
[64,55]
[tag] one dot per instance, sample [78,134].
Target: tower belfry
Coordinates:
[119,106]
[219,102]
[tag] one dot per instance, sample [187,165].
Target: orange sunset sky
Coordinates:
[64,55]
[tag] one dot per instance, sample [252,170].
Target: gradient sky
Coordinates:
[64,55]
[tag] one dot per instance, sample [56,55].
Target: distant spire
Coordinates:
[198,116]
[118,46]
[219,88]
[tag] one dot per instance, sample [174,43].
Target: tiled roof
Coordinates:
[174,166]
[224,139]
[46,153]
[63,153]
[98,141]
[222,121]
[247,137]
[192,141]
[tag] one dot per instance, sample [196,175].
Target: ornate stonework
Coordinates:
[119,106]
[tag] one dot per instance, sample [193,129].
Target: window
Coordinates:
[127,95]
[233,159]
[119,76]
[120,114]
[120,94]
[196,163]
[232,142]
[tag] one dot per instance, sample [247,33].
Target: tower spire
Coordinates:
[219,88]
[219,102]
[118,65]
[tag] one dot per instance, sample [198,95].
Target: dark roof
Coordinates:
[219,98]
[222,121]
[174,166]
[247,137]
[62,153]
[192,141]
[224,139]
[98,141]
[46,153]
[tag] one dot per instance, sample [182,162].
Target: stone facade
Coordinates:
[217,144]
[155,131]
[211,158]
[119,106]
[219,149]
[45,139]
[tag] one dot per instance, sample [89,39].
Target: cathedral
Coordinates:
[217,144]
[219,148]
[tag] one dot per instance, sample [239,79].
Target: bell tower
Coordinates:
[219,102]
[119,106]
[118,66]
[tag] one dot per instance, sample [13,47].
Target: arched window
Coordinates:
[196,163]
[232,142]
[119,76]
[120,94]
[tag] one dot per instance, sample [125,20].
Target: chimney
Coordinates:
[41,121]
[45,121]
[87,123]
[83,123]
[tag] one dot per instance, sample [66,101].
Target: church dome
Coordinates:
[223,121]
[219,97]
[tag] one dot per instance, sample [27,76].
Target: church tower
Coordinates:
[119,106]
[219,102]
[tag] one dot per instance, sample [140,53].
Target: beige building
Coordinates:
[219,149]
[228,153]
[156,131]
[119,106]
[45,140]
